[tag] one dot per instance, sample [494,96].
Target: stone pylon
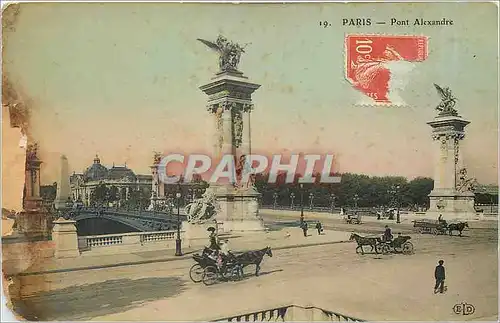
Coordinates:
[230,105]
[448,198]
[33,220]
[157,200]
[63,186]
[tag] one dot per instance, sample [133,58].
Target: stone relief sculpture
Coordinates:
[243,167]
[156,158]
[237,128]
[465,184]
[229,52]
[202,209]
[219,123]
[441,204]
[447,103]
[32,151]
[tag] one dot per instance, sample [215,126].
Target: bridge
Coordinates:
[143,221]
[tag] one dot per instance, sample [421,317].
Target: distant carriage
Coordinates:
[430,226]
[353,218]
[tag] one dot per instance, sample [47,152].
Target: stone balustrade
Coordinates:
[290,313]
[127,242]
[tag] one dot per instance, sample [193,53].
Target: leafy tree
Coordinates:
[371,191]
[100,195]
[419,189]
[114,194]
[48,192]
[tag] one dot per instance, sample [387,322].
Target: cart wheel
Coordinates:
[210,275]
[407,248]
[420,230]
[196,273]
[237,273]
[386,249]
[435,231]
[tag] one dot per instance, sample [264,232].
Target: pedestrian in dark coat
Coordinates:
[319,227]
[440,276]
[304,228]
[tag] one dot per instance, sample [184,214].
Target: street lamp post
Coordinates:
[292,197]
[178,246]
[332,198]
[356,199]
[311,198]
[394,191]
[398,218]
[275,200]
[302,201]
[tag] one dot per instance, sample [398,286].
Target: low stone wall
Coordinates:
[18,257]
[127,242]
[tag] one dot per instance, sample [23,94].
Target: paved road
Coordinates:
[334,277]
[335,222]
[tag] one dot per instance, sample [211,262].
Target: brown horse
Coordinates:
[254,258]
[460,226]
[365,241]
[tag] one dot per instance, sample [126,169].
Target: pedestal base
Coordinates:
[32,224]
[65,239]
[239,209]
[452,205]
[197,235]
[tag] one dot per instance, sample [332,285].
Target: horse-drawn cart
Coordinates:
[353,218]
[430,226]
[400,244]
[209,270]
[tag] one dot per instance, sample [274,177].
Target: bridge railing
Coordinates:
[127,242]
[290,313]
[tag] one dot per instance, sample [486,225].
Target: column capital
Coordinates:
[226,106]
[247,107]
[447,136]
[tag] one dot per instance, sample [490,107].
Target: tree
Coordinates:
[100,195]
[419,189]
[114,194]
[371,191]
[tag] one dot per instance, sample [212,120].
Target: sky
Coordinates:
[122,80]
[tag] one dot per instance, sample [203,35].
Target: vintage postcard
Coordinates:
[250,161]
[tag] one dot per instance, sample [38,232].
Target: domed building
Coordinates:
[95,172]
[118,179]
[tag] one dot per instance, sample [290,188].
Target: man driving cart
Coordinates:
[387,236]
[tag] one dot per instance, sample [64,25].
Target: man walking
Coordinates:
[304,228]
[439,274]
[319,227]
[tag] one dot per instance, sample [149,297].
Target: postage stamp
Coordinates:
[174,162]
[379,65]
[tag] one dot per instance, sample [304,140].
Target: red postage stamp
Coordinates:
[379,65]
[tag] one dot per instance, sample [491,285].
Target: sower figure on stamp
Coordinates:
[439,274]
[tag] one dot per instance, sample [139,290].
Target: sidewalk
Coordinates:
[283,239]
